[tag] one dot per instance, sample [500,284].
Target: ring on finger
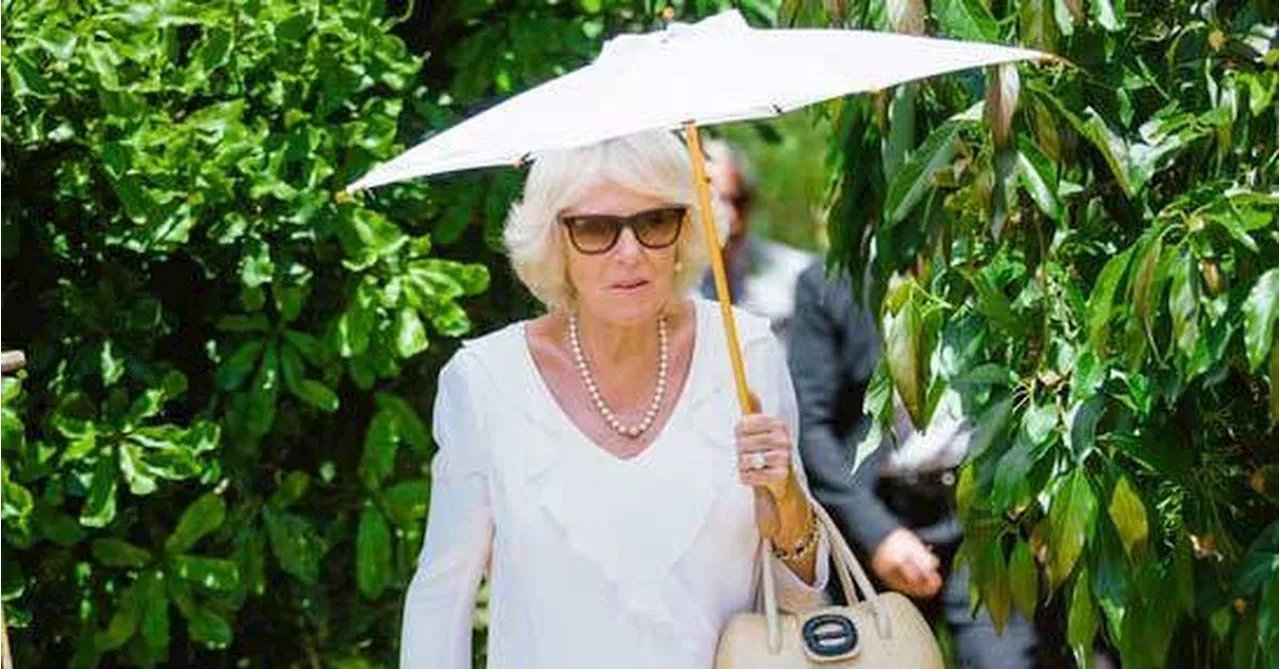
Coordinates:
[757,461]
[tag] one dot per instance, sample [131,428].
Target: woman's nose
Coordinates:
[628,246]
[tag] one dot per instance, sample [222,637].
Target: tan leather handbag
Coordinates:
[881,631]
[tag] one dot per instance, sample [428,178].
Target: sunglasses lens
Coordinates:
[659,228]
[593,234]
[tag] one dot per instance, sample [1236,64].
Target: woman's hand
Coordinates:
[782,509]
[764,462]
[764,453]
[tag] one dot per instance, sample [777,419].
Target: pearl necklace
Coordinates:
[659,391]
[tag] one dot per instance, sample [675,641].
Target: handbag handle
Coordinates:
[846,566]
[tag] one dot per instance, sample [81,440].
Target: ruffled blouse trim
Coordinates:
[659,501]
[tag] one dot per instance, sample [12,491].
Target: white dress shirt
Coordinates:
[593,561]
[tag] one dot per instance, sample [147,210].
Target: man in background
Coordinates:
[762,273]
[899,506]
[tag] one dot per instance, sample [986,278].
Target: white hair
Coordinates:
[653,163]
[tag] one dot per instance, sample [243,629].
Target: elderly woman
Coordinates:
[594,459]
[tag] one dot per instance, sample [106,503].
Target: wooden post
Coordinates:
[10,361]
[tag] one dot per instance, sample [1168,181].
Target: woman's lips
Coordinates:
[635,284]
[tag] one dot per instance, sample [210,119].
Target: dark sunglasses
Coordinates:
[594,234]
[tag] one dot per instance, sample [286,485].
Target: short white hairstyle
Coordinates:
[654,163]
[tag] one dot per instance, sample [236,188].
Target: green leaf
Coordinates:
[406,502]
[289,300]
[203,516]
[1260,564]
[59,528]
[60,43]
[1260,310]
[1113,149]
[451,320]
[1130,518]
[256,267]
[1228,217]
[1112,578]
[112,367]
[123,623]
[1084,426]
[154,623]
[1262,93]
[250,555]
[142,464]
[996,591]
[1071,519]
[355,323]
[1039,422]
[291,369]
[26,79]
[203,625]
[13,434]
[1024,579]
[290,491]
[964,491]
[966,20]
[1036,25]
[1274,380]
[903,334]
[371,234]
[1184,304]
[264,393]
[214,50]
[100,507]
[916,177]
[990,426]
[1268,611]
[380,445]
[1146,283]
[411,335]
[1010,485]
[1039,178]
[1244,653]
[1102,298]
[1109,16]
[373,553]
[295,544]
[236,368]
[408,424]
[10,390]
[114,552]
[13,581]
[311,349]
[1184,577]
[211,573]
[147,405]
[317,395]
[1082,621]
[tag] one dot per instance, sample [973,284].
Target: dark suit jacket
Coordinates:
[833,350]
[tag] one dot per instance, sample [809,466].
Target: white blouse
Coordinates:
[593,561]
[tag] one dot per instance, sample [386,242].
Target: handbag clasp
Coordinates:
[830,637]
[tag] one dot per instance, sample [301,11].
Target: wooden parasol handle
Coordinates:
[703,190]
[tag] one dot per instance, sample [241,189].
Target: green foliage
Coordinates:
[1098,260]
[218,451]
[196,306]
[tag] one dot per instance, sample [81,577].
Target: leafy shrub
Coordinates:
[1093,271]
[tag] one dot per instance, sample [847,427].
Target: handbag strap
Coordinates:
[846,564]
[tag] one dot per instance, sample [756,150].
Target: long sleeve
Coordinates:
[440,603]
[777,396]
[825,323]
